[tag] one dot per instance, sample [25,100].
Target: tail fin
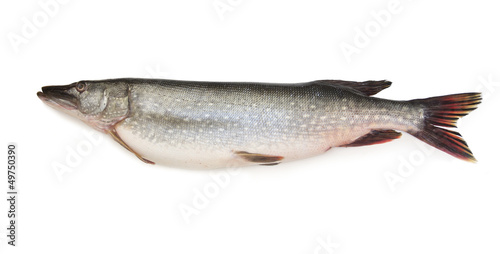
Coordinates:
[445,111]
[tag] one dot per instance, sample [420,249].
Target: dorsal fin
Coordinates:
[367,88]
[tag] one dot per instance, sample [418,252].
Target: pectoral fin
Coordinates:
[117,138]
[262,159]
[375,137]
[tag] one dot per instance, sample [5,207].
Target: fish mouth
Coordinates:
[59,96]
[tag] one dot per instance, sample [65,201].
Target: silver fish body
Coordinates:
[193,124]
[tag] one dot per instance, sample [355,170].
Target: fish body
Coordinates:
[194,124]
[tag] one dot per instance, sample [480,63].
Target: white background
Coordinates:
[339,202]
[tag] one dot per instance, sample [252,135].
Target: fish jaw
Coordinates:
[61,99]
[59,96]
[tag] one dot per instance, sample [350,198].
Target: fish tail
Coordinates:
[444,111]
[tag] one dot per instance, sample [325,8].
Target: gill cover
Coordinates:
[103,104]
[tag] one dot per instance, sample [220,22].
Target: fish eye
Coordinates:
[81,86]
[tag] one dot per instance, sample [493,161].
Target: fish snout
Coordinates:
[62,96]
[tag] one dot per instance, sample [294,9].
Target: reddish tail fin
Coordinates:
[445,111]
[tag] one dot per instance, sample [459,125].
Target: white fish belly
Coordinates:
[209,152]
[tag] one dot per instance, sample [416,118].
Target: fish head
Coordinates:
[100,104]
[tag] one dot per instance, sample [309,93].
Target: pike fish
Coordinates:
[193,124]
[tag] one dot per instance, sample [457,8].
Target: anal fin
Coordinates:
[375,137]
[118,139]
[262,159]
